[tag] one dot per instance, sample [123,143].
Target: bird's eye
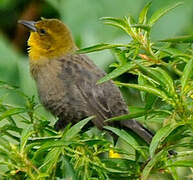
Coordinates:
[42,31]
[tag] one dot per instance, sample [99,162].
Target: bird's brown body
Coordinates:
[67,87]
[70,92]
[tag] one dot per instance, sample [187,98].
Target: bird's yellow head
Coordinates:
[49,39]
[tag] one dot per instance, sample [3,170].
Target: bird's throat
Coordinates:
[40,51]
[38,55]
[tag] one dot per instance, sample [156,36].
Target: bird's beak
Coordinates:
[28,24]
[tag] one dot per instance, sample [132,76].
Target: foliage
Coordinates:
[165,73]
[35,150]
[31,149]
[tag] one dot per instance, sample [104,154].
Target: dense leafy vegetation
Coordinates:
[30,148]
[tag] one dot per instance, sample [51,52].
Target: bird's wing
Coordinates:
[103,100]
[99,98]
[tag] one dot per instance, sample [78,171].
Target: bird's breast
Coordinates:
[50,87]
[59,94]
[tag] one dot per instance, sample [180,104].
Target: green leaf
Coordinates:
[187,73]
[160,76]
[74,130]
[126,137]
[128,116]
[170,50]
[42,176]
[11,112]
[10,127]
[120,56]
[177,134]
[117,22]
[180,39]
[123,166]
[26,133]
[148,80]
[4,153]
[68,170]
[142,26]
[5,143]
[99,47]
[117,72]
[174,173]
[9,118]
[150,73]
[52,144]
[161,12]
[165,79]
[31,145]
[149,89]
[143,13]
[51,160]
[160,136]
[142,81]
[181,163]
[120,23]
[174,52]
[150,100]
[150,164]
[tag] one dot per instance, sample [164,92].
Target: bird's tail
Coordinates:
[139,129]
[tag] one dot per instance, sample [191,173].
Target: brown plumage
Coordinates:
[66,81]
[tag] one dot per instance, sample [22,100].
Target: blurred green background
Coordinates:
[83,18]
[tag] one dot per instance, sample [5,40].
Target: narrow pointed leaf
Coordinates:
[120,56]
[68,170]
[146,88]
[150,73]
[181,163]
[26,133]
[5,143]
[160,136]
[180,39]
[125,136]
[51,160]
[42,176]
[174,52]
[174,173]
[53,144]
[150,100]
[10,127]
[74,130]
[187,74]
[11,112]
[50,145]
[117,72]
[161,76]
[161,12]
[143,13]
[149,166]
[99,47]
[142,26]
[120,23]
[142,81]
[128,116]
[165,79]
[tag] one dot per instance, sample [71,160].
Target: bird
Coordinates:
[67,81]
